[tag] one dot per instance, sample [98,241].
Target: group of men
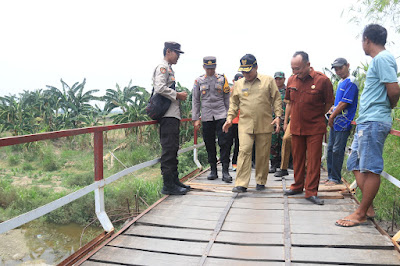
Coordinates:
[258,99]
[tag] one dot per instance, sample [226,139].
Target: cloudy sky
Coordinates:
[109,42]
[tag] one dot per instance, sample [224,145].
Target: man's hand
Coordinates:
[226,126]
[196,124]
[181,96]
[331,120]
[277,122]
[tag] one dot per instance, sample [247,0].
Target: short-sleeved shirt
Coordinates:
[374,101]
[347,92]
[308,98]
[255,100]
[210,94]
[163,79]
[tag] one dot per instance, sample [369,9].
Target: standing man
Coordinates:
[342,113]
[235,132]
[380,95]
[254,96]
[211,94]
[164,84]
[310,96]
[276,143]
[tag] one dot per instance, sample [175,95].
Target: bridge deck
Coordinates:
[213,226]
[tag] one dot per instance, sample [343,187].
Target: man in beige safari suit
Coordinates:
[256,96]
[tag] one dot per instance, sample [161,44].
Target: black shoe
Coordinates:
[260,187]
[239,189]
[213,174]
[281,173]
[179,183]
[272,169]
[292,192]
[169,188]
[225,173]
[315,200]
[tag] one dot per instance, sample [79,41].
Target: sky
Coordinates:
[110,42]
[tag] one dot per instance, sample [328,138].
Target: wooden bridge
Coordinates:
[213,226]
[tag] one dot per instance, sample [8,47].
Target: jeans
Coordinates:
[336,149]
[367,147]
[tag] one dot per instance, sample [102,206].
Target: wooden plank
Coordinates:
[188,213]
[168,232]
[138,257]
[334,207]
[159,245]
[95,263]
[230,262]
[255,216]
[346,240]
[187,209]
[294,201]
[257,206]
[255,200]
[316,217]
[253,228]
[331,229]
[247,252]
[346,255]
[178,222]
[250,238]
[322,195]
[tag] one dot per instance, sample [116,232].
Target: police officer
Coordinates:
[211,95]
[164,84]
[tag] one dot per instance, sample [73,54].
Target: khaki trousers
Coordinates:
[286,148]
[263,146]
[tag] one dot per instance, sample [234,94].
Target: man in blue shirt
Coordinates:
[380,95]
[341,115]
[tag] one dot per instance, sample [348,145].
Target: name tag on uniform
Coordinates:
[245,92]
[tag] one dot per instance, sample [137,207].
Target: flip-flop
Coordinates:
[355,223]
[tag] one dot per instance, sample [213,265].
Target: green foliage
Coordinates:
[27,166]
[49,159]
[376,11]
[13,159]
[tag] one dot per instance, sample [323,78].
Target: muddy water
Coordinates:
[42,244]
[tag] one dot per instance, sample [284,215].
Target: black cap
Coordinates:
[339,62]
[210,62]
[238,76]
[174,46]
[279,74]
[247,62]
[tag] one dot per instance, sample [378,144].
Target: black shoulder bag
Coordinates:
[158,105]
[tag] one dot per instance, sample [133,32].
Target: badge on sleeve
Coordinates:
[163,70]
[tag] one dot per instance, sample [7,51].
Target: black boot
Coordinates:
[179,183]
[170,188]
[225,173]
[213,175]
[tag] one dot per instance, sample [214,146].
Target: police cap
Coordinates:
[174,46]
[210,62]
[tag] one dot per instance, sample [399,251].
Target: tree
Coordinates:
[376,11]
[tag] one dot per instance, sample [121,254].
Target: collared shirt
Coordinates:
[212,95]
[255,100]
[308,98]
[163,80]
[346,92]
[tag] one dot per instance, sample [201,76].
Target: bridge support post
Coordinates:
[98,176]
[195,153]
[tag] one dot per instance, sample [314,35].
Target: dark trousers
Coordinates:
[210,129]
[235,136]
[169,139]
[309,147]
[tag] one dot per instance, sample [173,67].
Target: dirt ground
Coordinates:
[15,240]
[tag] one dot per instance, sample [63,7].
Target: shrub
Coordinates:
[79,180]
[27,166]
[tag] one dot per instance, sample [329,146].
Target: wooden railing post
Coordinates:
[98,176]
